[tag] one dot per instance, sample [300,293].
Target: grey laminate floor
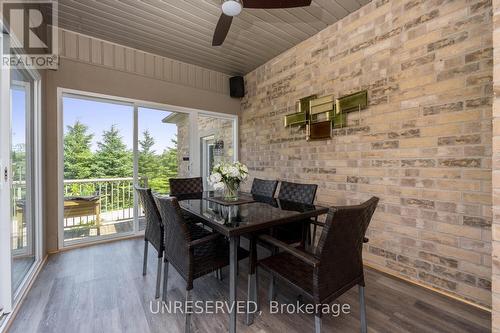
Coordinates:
[101,289]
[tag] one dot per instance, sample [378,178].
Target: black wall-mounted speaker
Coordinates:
[237,86]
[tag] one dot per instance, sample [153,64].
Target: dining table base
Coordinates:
[252,297]
[233,268]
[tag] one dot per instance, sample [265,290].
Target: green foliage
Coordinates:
[149,162]
[112,158]
[18,155]
[158,169]
[77,154]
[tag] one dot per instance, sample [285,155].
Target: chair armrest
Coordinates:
[318,223]
[322,224]
[305,257]
[203,240]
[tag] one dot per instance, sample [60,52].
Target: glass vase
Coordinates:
[231,191]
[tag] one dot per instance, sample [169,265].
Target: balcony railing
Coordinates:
[113,201]
[93,201]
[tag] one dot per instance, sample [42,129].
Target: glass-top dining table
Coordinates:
[247,216]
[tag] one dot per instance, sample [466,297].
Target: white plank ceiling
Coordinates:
[183,29]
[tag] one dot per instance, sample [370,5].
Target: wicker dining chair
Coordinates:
[192,250]
[335,266]
[186,188]
[301,193]
[264,188]
[154,232]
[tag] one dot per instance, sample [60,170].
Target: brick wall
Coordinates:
[221,129]
[183,147]
[496,168]
[423,145]
[207,126]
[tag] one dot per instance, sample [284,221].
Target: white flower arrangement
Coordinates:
[228,176]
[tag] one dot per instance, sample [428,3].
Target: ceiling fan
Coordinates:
[231,8]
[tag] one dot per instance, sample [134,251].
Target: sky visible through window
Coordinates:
[100,116]
[18,118]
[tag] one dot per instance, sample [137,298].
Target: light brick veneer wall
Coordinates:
[183,147]
[221,129]
[496,167]
[423,145]
[207,125]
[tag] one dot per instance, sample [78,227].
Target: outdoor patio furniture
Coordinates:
[259,216]
[185,188]
[80,206]
[192,250]
[154,232]
[335,266]
[304,193]
[265,188]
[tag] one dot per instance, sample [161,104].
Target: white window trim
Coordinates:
[194,163]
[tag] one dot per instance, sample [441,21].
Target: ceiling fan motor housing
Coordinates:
[232,7]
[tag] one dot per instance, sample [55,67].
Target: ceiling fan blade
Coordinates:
[222,29]
[270,4]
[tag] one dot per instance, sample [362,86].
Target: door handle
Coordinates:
[6,174]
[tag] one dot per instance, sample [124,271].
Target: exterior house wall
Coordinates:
[221,129]
[423,145]
[207,126]
[183,147]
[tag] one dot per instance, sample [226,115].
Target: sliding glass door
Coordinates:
[163,150]
[98,168]
[163,147]
[20,190]
[110,145]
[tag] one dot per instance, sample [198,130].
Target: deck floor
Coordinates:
[101,289]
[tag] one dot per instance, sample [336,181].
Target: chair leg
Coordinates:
[317,324]
[187,328]
[362,307]
[165,280]
[145,262]
[272,289]
[158,278]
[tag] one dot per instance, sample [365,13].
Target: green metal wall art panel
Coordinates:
[340,120]
[301,117]
[321,115]
[353,102]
